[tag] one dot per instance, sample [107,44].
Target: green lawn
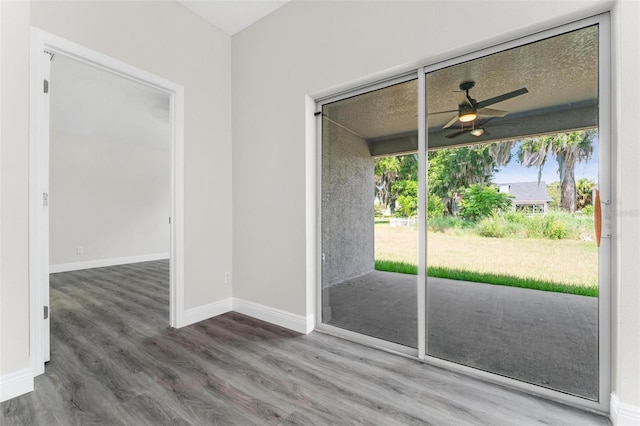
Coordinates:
[556,262]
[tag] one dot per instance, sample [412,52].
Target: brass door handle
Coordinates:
[597,219]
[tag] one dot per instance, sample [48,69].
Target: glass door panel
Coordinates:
[369,209]
[512,255]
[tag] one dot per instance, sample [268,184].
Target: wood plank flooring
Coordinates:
[115,361]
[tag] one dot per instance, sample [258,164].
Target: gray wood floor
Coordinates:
[114,360]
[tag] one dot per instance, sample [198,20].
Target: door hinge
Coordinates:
[45,199]
[46,86]
[169,220]
[46,312]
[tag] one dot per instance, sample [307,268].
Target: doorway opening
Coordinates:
[109,203]
[114,194]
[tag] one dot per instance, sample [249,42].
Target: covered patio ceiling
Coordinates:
[560,74]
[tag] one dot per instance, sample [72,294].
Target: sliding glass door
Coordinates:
[464,213]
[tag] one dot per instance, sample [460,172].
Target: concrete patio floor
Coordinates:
[544,338]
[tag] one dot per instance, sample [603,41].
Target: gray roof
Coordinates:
[527,192]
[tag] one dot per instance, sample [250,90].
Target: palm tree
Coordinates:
[568,149]
[584,190]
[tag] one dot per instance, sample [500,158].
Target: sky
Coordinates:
[514,172]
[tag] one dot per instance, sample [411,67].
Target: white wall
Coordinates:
[314,48]
[110,159]
[163,38]
[14,187]
[626,214]
[109,198]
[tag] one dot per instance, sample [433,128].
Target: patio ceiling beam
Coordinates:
[514,126]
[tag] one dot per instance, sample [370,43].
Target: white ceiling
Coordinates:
[232,16]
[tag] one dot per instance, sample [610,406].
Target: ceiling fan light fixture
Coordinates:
[467,113]
[468,116]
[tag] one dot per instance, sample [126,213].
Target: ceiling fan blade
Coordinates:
[456,134]
[453,121]
[502,97]
[492,112]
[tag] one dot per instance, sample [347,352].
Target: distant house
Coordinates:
[529,197]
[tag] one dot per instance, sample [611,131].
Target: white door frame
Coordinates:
[39,180]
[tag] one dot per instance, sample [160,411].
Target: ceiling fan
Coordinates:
[469,109]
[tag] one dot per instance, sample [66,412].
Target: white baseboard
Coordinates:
[622,414]
[16,384]
[101,263]
[265,313]
[201,313]
[284,319]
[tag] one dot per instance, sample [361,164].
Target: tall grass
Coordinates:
[555,225]
[450,224]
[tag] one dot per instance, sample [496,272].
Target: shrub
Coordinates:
[556,229]
[443,223]
[435,206]
[536,226]
[554,225]
[501,226]
[482,201]
[587,210]
[515,217]
[492,227]
[407,197]
[408,206]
